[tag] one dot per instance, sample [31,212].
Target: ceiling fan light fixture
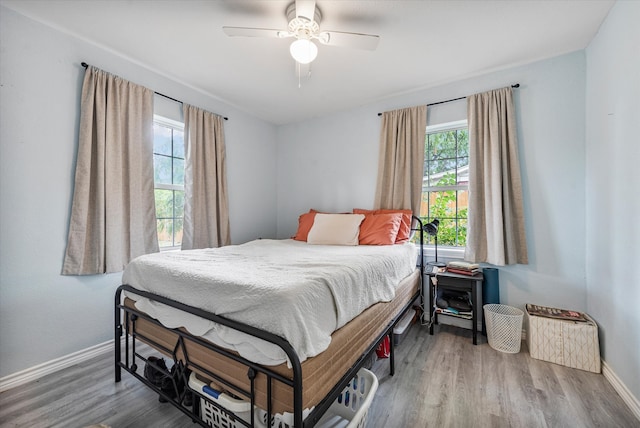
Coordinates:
[303,51]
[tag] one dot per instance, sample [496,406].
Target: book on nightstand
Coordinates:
[463,268]
[464,272]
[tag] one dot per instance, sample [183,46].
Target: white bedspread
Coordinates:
[295,290]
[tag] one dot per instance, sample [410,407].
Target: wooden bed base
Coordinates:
[262,386]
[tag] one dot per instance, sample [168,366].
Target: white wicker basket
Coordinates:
[504,327]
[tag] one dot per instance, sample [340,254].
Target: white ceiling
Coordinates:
[422,44]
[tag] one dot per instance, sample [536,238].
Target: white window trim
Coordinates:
[168,122]
[448,126]
[444,252]
[168,186]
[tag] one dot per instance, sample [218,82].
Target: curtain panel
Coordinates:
[113,216]
[400,165]
[206,206]
[496,232]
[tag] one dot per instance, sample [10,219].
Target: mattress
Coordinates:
[320,373]
[295,290]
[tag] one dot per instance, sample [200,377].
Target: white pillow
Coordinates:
[335,229]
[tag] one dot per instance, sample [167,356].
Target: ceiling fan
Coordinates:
[304,19]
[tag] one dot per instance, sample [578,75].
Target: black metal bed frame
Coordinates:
[184,364]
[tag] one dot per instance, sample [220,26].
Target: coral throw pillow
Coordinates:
[380,229]
[305,222]
[404,233]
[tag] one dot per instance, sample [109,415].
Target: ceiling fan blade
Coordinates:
[254,32]
[306,9]
[351,40]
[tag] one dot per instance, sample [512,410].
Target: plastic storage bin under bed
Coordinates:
[348,411]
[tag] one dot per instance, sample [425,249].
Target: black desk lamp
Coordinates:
[432,229]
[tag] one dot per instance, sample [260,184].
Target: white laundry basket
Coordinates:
[348,411]
[352,406]
[214,416]
[504,327]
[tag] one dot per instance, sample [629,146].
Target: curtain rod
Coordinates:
[517,85]
[85,65]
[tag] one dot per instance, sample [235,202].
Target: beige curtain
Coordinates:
[496,216]
[113,217]
[206,206]
[400,165]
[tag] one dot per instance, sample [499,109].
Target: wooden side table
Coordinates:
[453,281]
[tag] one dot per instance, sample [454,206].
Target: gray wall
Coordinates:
[331,164]
[613,190]
[44,315]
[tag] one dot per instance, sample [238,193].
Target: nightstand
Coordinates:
[452,281]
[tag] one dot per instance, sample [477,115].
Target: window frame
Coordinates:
[179,126]
[445,251]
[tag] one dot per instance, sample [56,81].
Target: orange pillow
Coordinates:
[380,229]
[305,222]
[404,233]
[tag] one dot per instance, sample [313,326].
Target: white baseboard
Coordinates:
[621,389]
[36,372]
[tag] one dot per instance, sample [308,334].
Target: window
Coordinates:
[445,186]
[168,166]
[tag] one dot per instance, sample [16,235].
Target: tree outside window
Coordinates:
[168,164]
[445,186]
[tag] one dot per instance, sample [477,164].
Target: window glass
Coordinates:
[168,164]
[162,169]
[161,139]
[445,186]
[178,144]
[178,171]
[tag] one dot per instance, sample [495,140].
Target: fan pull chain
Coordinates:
[299,71]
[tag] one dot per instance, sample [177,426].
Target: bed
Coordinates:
[287,349]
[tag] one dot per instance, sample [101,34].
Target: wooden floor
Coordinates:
[440,381]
